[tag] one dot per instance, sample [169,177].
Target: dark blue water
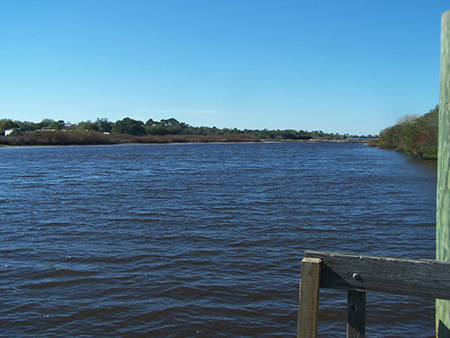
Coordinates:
[202,240]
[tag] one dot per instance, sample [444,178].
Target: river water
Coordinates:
[202,240]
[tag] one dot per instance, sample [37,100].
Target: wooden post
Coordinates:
[308,313]
[443,181]
[356,314]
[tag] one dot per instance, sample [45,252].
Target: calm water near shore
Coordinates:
[202,240]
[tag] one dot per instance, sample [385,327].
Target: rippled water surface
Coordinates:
[202,240]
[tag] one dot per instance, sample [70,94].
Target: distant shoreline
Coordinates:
[364,141]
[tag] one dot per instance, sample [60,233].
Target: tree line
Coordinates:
[413,135]
[49,131]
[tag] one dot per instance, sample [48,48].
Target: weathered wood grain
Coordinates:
[308,313]
[422,278]
[443,190]
[356,314]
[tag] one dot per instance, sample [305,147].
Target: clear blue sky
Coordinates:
[338,66]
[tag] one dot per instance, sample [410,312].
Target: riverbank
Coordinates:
[71,138]
[414,136]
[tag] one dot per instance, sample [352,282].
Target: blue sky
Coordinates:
[337,66]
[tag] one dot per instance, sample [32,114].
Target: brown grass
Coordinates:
[93,138]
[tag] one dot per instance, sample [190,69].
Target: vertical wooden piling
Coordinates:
[356,314]
[308,313]
[443,181]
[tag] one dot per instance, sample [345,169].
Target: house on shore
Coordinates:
[9,131]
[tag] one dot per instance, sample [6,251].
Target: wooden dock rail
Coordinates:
[359,274]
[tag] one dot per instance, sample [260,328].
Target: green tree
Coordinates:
[46,123]
[7,124]
[58,125]
[413,135]
[170,122]
[151,123]
[104,125]
[87,126]
[27,126]
[129,126]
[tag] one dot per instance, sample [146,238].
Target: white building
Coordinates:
[8,131]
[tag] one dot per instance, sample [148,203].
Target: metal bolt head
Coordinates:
[355,275]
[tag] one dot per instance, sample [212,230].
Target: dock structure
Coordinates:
[359,274]
[443,181]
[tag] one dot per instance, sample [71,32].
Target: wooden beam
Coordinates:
[422,278]
[308,313]
[443,190]
[356,314]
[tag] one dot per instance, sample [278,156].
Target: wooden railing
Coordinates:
[360,274]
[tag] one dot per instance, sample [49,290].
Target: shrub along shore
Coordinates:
[127,130]
[416,136]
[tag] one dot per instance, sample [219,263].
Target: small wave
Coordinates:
[61,283]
